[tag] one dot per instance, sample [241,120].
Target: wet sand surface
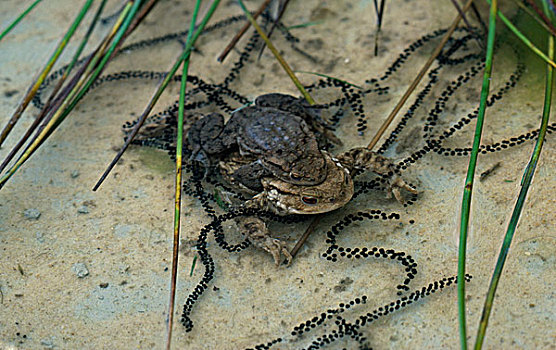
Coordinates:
[83,269]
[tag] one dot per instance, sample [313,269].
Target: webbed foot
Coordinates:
[395,185]
[256,231]
[363,158]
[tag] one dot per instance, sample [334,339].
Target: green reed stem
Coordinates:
[304,25]
[18,19]
[279,57]
[121,31]
[61,81]
[75,95]
[184,56]
[466,202]
[193,266]
[35,86]
[525,184]
[177,195]
[547,26]
[524,39]
[84,41]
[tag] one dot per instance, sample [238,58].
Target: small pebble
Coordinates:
[80,269]
[83,210]
[32,214]
[47,343]
[103,285]
[40,237]
[74,174]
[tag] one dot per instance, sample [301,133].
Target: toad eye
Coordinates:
[295,177]
[309,200]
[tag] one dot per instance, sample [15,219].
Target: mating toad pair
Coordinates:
[271,150]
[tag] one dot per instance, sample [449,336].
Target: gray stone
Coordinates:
[32,214]
[83,209]
[39,236]
[47,343]
[80,269]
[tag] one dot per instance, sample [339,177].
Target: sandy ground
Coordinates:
[83,269]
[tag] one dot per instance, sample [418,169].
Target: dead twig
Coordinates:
[419,76]
[394,112]
[242,31]
[456,5]
[281,11]
[379,15]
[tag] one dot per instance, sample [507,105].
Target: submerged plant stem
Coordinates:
[35,86]
[418,78]
[54,92]
[525,184]
[468,189]
[177,195]
[280,59]
[241,32]
[18,19]
[162,86]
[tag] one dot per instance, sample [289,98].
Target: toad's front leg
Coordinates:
[256,231]
[363,158]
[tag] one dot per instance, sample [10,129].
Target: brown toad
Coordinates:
[271,144]
[284,198]
[274,134]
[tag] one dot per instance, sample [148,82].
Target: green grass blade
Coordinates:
[184,56]
[34,87]
[86,77]
[193,266]
[91,70]
[217,194]
[304,25]
[525,184]
[241,32]
[75,95]
[18,19]
[177,195]
[121,31]
[466,202]
[524,39]
[61,81]
[85,40]
[546,25]
[272,48]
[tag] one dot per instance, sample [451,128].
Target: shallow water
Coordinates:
[123,232]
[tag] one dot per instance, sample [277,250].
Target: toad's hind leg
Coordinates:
[256,231]
[364,159]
